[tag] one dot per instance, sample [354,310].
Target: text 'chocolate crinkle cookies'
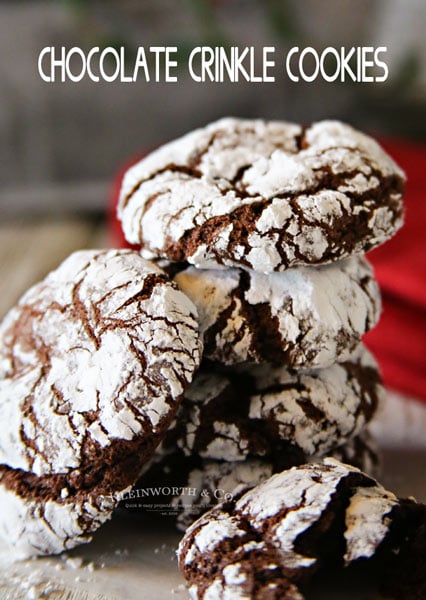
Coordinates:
[93,362]
[262,195]
[261,410]
[301,318]
[269,542]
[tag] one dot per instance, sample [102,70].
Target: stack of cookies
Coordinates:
[260,229]
[264,226]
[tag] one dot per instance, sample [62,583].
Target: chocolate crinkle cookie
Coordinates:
[262,195]
[262,410]
[269,542]
[93,363]
[301,318]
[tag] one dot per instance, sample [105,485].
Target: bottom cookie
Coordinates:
[272,540]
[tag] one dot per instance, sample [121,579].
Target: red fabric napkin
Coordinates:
[399,340]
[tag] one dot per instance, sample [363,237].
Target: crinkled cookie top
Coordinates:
[262,195]
[286,527]
[94,356]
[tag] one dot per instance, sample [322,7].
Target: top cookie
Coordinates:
[93,362]
[262,195]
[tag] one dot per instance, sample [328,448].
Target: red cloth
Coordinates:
[399,340]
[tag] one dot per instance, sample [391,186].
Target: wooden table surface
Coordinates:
[129,560]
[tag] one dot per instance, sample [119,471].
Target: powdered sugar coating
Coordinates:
[302,495]
[238,581]
[211,532]
[33,527]
[302,318]
[98,352]
[262,195]
[261,410]
[367,521]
